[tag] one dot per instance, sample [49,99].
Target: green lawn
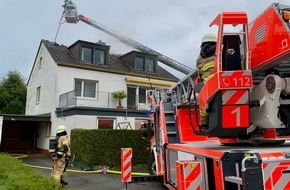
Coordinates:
[14,175]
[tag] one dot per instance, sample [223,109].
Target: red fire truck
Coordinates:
[247,99]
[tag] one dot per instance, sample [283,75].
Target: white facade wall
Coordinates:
[44,76]
[107,82]
[68,122]
[43,136]
[46,79]
[66,82]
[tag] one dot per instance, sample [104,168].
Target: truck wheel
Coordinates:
[151,165]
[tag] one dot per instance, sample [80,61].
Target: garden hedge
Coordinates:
[103,147]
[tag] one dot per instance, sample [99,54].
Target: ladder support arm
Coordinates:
[162,58]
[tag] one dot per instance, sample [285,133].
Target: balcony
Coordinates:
[98,99]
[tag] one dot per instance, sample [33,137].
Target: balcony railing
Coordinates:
[101,100]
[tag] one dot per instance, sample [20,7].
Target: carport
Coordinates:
[20,132]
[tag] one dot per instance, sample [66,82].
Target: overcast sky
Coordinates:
[171,27]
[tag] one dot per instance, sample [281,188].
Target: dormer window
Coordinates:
[144,64]
[139,63]
[99,56]
[149,64]
[87,54]
[93,55]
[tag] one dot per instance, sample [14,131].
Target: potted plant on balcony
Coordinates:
[119,95]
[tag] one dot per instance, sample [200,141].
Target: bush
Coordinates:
[16,176]
[103,147]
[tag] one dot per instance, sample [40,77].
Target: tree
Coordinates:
[119,95]
[12,94]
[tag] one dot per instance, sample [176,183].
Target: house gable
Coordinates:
[41,84]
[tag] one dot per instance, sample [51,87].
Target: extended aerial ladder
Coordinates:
[71,16]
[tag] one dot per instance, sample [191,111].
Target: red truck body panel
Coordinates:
[269,40]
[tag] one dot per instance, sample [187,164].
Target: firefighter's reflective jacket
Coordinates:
[62,149]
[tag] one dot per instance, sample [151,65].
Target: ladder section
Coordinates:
[171,128]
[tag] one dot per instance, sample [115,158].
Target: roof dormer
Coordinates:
[90,53]
[141,61]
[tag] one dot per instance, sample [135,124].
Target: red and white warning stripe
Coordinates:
[234,97]
[189,175]
[192,174]
[239,73]
[276,175]
[126,156]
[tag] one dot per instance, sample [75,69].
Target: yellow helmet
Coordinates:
[60,128]
[208,38]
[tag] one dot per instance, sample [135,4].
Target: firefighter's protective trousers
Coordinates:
[59,161]
[205,70]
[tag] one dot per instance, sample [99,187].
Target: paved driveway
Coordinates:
[95,181]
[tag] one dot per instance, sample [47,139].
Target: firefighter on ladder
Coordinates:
[61,156]
[205,66]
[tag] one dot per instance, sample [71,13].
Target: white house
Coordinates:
[73,86]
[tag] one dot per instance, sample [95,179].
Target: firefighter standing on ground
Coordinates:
[205,66]
[62,153]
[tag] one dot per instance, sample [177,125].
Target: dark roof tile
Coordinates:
[59,53]
[62,56]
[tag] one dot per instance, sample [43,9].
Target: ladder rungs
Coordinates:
[234,179]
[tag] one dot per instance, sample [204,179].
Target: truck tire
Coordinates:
[151,165]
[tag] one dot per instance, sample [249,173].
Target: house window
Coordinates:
[142,95]
[78,88]
[139,63]
[87,54]
[149,64]
[38,95]
[99,56]
[85,88]
[131,97]
[40,63]
[105,123]
[144,64]
[136,95]
[92,55]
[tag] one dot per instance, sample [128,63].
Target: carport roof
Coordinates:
[14,117]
